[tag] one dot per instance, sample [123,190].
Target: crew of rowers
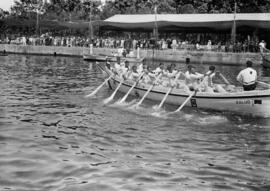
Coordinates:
[170,77]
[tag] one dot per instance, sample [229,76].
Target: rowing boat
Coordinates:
[254,103]
[103,58]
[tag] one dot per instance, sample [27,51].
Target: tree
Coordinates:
[3,14]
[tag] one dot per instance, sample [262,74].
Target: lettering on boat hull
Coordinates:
[248,102]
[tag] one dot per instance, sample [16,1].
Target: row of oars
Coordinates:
[109,99]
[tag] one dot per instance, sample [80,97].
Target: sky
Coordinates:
[6,4]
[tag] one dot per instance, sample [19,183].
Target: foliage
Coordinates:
[69,10]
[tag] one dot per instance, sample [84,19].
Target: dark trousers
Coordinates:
[249,87]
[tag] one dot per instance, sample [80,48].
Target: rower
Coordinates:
[208,85]
[148,75]
[192,78]
[159,69]
[171,74]
[125,70]
[248,77]
[134,75]
[140,68]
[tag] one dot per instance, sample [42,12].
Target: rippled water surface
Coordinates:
[53,138]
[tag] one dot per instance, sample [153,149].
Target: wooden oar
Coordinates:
[164,98]
[99,87]
[189,97]
[167,94]
[185,102]
[224,79]
[144,96]
[107,100]
[148,91]
[263,84]
[135,83]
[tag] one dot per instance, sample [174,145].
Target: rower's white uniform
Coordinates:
[171,77]
[134,76]
[140,68]
[247,76]
[207,84]
[157,71]
[117,68]
[192,79]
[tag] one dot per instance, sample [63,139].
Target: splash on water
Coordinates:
[107,100]
[123,104]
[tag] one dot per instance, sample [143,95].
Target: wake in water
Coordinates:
[196,118]
[123,104]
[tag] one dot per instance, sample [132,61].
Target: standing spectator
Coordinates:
[209,45]
[174,45]
[262,45]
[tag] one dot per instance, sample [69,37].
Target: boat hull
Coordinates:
[255,103]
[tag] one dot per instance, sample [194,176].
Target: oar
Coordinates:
[144,96]
[185,102]
[125,97]
[148,91]
[164,98]
[189,97]
[167,94]
[263,84]
[224,79]
[99,87]
[107,100]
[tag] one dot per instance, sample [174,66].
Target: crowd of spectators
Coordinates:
[129,43]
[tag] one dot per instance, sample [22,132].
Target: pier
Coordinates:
[158,55]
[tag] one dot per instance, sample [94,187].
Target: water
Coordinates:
[52,138]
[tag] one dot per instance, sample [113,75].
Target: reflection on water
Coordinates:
[52,138]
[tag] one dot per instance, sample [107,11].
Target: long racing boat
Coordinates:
[254,103]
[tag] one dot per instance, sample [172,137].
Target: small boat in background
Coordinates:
[103,58]
[94,57]
[3,53]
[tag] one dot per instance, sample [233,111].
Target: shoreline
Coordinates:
[226,58]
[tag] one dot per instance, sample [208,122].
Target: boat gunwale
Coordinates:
[228,95]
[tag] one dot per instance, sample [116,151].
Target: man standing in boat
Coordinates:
[248,77]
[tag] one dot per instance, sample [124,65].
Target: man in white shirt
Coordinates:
[192,78]
[247,77]
[262,45]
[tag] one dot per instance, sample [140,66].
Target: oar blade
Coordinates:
[94,92]
[98,88]
[109,99]
[164,99]
[185,102]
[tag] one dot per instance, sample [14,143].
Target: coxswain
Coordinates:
[248,77]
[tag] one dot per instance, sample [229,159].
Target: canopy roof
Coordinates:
[172,22]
